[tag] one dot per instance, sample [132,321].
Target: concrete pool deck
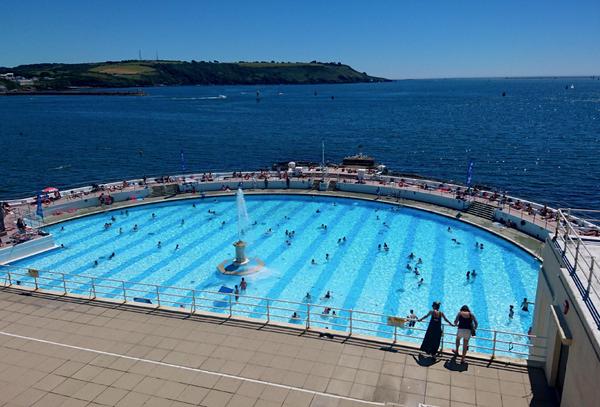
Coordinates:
[60,351]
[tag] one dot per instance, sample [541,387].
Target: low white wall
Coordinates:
[21,250]
[404,194]
[246,184]
[522,225]
[94,201]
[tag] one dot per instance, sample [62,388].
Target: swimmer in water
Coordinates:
[113,218]
[153,215]
[313,262]
[408,266]
[120,230]
[468,275]
[95,263]
[327,256]
[420,261]
[159,244]
[449,229]
[473,273]
[411,255]
[307,296]
[111,255]
[135,227]
[193,205]
[420,282]
[511,311]
[62,229]
[62,246]
[327,294]
[182,222]
[177,246]
[481,246]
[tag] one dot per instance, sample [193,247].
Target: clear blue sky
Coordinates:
[395,39]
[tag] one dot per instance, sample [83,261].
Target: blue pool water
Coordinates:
[360,276]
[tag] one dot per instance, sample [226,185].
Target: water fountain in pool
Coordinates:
[241,265]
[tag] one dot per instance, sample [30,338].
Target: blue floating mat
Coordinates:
[142,300]
[225,303]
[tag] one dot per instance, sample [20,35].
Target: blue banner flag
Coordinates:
[40,210]
[469,174]
[182,161]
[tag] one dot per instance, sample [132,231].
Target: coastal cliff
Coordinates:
[169,73]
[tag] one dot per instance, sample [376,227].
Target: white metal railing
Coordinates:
[583,266]
[305,315]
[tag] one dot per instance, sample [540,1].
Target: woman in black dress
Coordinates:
[433,336]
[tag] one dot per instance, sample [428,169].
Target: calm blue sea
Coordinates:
[540,141]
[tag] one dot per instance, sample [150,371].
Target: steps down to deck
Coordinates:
[482,210]
[163,190]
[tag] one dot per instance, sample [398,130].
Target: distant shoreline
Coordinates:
[73,93]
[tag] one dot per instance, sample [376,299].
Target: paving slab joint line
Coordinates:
[313,392]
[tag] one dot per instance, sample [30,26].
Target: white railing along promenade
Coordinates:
[582,264]
[299,315]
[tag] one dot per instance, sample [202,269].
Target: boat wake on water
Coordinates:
[202,98]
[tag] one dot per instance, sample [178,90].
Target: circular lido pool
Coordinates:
[359,251]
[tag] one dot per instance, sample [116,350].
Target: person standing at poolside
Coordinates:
[433,336]
[412,319]
[467,324]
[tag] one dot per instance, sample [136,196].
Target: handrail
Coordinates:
[349,321]
[581,263]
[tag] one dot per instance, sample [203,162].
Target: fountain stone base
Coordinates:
[241,265]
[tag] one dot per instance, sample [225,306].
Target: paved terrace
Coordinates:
[59,351]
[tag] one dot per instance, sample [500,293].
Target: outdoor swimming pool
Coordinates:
[359,275]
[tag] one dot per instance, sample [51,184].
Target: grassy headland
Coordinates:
[155,73]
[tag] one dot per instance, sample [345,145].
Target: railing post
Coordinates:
[157,296]
[494,345]
[9,279]
[307,316]
[576,256]
[395,334]
[443,337]
[230,307]
[268,312]
[124,292]
[589,285]
[36,282]
[64,283]
[350,322]
[193,301]
[94,287]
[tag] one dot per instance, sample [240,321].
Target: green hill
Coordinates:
[152,73]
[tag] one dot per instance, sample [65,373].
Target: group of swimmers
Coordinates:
[524,307]
[242,288]
[415,269]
